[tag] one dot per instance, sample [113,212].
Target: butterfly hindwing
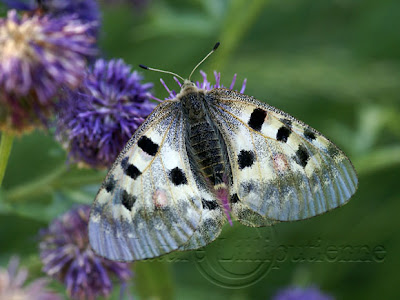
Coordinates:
[149,203]
[282,169]
[246,215]
[211,223]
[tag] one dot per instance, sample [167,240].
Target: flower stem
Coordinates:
[5,150]
[55,180]
[37,187]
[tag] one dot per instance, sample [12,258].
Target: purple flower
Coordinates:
[298,293]
[19,4]
[38,56]
[12,281]
[87,11]
[96,121]
[67,256]
[205,84]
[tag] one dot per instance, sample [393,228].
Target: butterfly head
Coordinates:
[188,86]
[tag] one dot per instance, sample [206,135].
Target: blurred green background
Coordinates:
[333,64]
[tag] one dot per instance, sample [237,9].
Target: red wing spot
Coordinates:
[160,199]
[280,162]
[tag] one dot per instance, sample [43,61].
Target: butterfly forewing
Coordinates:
[149,204]
[282,169]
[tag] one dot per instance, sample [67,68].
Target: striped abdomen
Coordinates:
[207,152]
[206,147]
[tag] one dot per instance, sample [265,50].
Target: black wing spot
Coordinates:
[124,162]
[109,185]
[245,159]
[333,151]
[234,198]
[302,156]
[133,172]
[309,135]
[147,145]
[287,122]
[129,169]
[257,118]
[283,134]
[177,176]
[210,205]
[128,200]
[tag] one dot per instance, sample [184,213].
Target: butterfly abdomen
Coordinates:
[207,149]
[204,142]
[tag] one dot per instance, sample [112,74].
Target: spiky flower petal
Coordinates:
[67,256]
[298,293]
[205,84]
[12,285]
[87,11]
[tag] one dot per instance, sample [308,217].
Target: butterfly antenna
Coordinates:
[161,71]
[211,52]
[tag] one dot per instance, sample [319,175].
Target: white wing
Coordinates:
[149,204]
[211,223]
[282,169]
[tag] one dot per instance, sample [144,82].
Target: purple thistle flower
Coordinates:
[87,11]
[205,84]
[12,281]
[19,4]
[67,256]
[298,293]
[39,54]
[96,121]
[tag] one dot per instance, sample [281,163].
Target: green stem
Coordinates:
[40,186]
[5,150]
[52,181]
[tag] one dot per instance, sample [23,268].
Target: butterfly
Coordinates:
[204,158]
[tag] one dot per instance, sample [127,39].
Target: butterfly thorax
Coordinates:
[205,145]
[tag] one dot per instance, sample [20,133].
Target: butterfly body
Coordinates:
[205,146]
[204,157]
